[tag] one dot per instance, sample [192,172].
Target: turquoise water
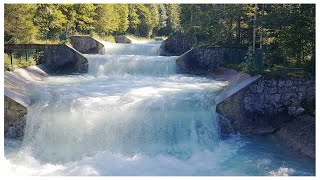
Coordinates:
[133,115]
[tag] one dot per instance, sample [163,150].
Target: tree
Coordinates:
[140,21]
[50,20]
[70,13]
[292,30]
[173,20]
[106,19]
[123,11]
[162,11]
[85,14]
[154,12]
[18,23]
[133,19]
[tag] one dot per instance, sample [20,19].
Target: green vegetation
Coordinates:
[309,106]
[54,23]
[19,61]
[281,36]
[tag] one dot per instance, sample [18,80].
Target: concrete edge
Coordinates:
[240,82]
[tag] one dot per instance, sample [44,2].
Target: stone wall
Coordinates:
[272,105]
[204,60]
[86,44]
[267,103]
[122,39]
[176,45]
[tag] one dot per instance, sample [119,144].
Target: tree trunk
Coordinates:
[230,31]
[254,28]
[261,33]
[238,31]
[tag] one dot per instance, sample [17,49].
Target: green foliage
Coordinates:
[108,38]
[173,20]
[84,18]
[47,23]
[162,16]
[18,24]
[309,106]
[69,12]
[154,12]
[123,11]
[310,65]
[250,65]
[19,61]
[285,33]
[106,19]
[50,20]
[7,63]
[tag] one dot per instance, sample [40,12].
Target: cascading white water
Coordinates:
[152,49]
[133,115]
[120,65]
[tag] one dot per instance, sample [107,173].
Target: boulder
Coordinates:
[299,135]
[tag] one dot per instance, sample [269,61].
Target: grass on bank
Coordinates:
[107,38]
[19,61]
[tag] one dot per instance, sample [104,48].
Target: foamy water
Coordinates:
[133,115]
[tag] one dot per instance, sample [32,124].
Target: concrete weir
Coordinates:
[57,59]
[266,105]
[86,44]
[16,99]
[206,60]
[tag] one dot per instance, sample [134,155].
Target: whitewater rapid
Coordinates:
[132,114]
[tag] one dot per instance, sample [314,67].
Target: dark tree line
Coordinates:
[284,34]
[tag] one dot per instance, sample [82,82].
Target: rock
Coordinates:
[295,111]
[122,39]
[299,135]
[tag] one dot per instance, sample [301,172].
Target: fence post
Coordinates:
[11,56]
[26,55]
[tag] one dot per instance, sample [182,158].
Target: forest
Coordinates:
[279,37]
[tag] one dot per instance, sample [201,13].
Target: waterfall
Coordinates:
[132,114]
[131,64]
[152,49]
